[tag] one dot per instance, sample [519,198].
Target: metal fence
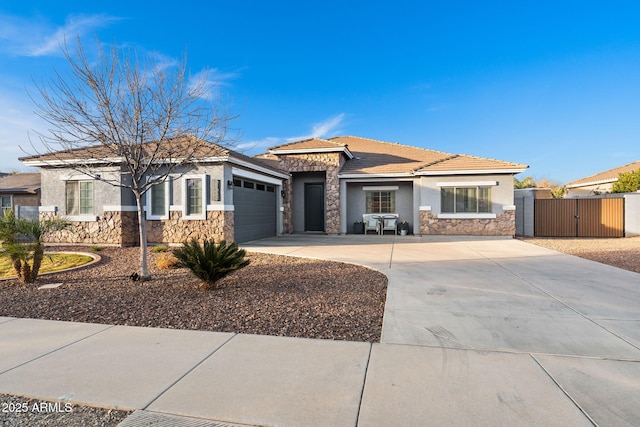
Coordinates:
[602,217]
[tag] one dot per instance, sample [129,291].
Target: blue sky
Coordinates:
[555,85]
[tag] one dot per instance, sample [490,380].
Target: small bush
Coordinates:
[167,262]
[210,262]
[159,248]
[96,248]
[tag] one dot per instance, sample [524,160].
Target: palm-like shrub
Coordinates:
[210,262]
[21,240]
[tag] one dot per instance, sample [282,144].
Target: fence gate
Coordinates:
[579,217]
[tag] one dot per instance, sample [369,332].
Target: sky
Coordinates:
[551,84]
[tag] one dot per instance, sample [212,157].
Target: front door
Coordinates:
[314,207]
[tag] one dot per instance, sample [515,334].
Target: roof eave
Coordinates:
[587,183]
[375,175]
[471,172]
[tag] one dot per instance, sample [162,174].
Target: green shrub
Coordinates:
[96,248]
[159,248]
[210,262]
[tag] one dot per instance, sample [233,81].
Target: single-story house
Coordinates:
[599,183]
[315,185]
[20,192]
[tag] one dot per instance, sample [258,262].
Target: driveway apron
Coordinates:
[487,320]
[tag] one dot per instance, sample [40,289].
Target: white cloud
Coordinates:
[25,37]
[210,81]
[258,146]
[324,129]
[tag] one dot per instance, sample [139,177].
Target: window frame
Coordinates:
[373,192]
[167,200]
[3,208]
[456,192]
[203,197]
[78,193]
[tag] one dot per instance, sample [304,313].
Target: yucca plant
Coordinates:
[210,262]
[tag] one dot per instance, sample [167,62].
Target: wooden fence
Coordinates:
[579,217]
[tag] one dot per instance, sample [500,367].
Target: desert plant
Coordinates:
[628,182]
[159,248]
[210,262]
[167,261]
[22,240]
[96,248]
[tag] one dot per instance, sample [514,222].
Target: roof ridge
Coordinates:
[492,159]
[394,143]
[282,146]
[435,162]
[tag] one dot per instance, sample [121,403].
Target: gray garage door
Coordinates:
[254,210]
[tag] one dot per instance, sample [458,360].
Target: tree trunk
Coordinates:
[142,227]
[38,254]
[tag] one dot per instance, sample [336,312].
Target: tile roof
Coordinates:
[20,183]
[173,148]
[168,148]
[610,175]
[379,157]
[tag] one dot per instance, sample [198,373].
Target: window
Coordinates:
[194,193]
[158,200]
[5,204]
[79,197]
[466,199]
[381,201]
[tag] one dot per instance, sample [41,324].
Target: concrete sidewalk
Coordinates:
[476,332]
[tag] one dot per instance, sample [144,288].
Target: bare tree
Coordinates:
[132,112]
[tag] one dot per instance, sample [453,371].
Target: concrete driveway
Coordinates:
[475,320]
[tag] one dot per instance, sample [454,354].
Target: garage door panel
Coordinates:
[254,213]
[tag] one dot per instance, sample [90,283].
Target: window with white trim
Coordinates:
[465,199]
[380,201]
[158,200]
[79,197]
[5,204]
[194,197]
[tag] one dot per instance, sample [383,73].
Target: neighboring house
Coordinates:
[599,183]
[315,185]
[20,192]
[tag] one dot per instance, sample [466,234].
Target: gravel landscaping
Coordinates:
[623,252]
[274,295]
[18,411]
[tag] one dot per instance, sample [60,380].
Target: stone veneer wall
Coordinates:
[218,226]
[121,229]
[503,225]
[113,228]
[315,162]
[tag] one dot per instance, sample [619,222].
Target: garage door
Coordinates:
[254,210]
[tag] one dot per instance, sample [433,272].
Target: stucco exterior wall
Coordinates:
[356,201]
[118,223]
[53,183]
[589,190]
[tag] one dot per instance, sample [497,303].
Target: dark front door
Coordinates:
[314,207]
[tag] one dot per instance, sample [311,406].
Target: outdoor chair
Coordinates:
[389,223]
[371,223]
